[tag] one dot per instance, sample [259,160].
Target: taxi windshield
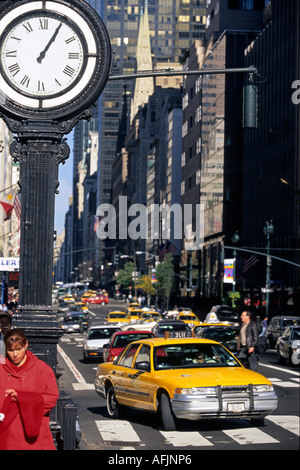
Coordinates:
[180,356]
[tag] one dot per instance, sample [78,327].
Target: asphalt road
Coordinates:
[141,431]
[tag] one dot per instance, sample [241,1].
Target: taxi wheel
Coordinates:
[166,413]
[112,404]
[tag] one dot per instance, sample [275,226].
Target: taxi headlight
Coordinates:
[196,391]
[263,388]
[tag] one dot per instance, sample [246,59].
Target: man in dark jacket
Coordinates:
[247,341]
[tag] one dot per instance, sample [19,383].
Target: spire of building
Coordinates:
[144,87]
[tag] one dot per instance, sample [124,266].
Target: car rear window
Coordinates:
[121,341]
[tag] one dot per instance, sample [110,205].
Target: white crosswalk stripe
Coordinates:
[290,423]
[193,439]
[118,431]
[122,432]
[250,436]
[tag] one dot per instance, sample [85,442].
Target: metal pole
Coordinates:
[171,73]
[39,156]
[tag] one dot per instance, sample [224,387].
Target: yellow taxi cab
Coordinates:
[188,317]
[150,315]
[185,378]
[134,314]
[82,305]
[87,294]
[69,299]
[117,317]
[134,305]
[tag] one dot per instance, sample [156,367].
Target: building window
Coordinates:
[246,4]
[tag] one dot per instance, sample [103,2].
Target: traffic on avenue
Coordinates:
[261,416]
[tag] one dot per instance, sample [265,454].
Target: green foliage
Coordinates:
[125,277]
[146,285]
[165,277]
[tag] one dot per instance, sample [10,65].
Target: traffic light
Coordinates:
[116,258]
[250,105]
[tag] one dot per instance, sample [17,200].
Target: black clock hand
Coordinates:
[43,53]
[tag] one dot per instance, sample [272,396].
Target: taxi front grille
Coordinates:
[235,389]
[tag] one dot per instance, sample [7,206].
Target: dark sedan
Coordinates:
[172,328]
[226,335]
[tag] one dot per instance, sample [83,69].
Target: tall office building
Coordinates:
[271,153]
[173,26]
[213,135]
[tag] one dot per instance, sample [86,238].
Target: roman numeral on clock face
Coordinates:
[73,55]
[69,70]
[41,86]
[43,23]
[28,27]
[11,54]
[14,69]
[25,81]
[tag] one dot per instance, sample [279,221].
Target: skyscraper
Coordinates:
[173,25]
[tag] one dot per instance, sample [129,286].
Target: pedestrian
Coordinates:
[264,325]
[247,341]
[5,325]
[28,391]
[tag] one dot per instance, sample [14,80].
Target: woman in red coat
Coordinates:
[28,391]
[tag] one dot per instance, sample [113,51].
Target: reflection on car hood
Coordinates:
[203,377]
[97,342]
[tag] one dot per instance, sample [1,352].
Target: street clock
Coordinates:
[55,58]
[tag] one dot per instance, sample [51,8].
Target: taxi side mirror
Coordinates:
[143,366]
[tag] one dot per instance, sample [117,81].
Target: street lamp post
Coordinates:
[268,231]
[235,239]
[56,86]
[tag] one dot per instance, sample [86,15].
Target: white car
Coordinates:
[145,326]
[96,337]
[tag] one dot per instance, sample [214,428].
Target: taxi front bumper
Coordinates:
[226,402]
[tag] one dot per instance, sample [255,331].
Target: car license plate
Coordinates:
[236,407]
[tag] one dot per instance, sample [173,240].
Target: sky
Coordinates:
[65,189]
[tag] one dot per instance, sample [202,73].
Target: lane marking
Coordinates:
[290,423]
[71,366]
[117,430]
[183,439]
[250,436]
[292,372]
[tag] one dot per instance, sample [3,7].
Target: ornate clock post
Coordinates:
[55,59]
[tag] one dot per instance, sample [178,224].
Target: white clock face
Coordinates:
[42,55]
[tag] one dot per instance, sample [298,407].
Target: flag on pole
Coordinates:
[162,251]
[17,206]
[249,263]
[7,203]
[165,248]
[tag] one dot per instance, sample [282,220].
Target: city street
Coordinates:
[143,431]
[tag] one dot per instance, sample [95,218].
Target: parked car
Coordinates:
[226,335]
[96,337]
[223,313]
[119,341]
[277,326]
[96,299]
[74,322]
[172,328]
[288,345]
[184,378]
